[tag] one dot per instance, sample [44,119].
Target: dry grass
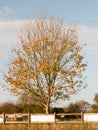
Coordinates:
[84,126]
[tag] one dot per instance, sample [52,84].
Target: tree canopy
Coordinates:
[48,64]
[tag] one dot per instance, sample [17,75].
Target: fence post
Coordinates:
[54,119]
[82,117]
[29,118]
[4,118]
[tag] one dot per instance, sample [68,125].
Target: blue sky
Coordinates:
[83,13]
[80,11]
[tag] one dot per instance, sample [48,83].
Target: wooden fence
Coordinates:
[42,118]
[14,118]
[49,118]
[70,118]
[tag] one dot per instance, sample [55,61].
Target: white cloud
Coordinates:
[9,31]
[89,35]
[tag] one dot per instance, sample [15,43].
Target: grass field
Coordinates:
[84,126]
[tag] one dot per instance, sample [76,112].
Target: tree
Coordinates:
[96,98]
[49,65]
[72,108]
[79,106]
[84,106]
[8,107]
[94,107]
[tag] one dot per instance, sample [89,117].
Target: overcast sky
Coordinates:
[83,13]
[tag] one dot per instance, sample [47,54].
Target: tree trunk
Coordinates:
[47,109]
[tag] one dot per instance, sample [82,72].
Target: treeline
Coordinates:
[79,106]
[24,106]
[10,107]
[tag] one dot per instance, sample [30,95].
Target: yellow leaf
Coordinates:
[71,86]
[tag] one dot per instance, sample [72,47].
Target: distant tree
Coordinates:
[8,107]
[84,106]
[72,108]
[48,65]
[25,104]
[79,106]
[94,106]
[96,98]
[57,110]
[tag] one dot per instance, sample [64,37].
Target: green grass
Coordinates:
[66,126]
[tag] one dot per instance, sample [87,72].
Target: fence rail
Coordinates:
[40,118]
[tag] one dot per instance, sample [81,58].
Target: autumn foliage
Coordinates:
[48,65]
